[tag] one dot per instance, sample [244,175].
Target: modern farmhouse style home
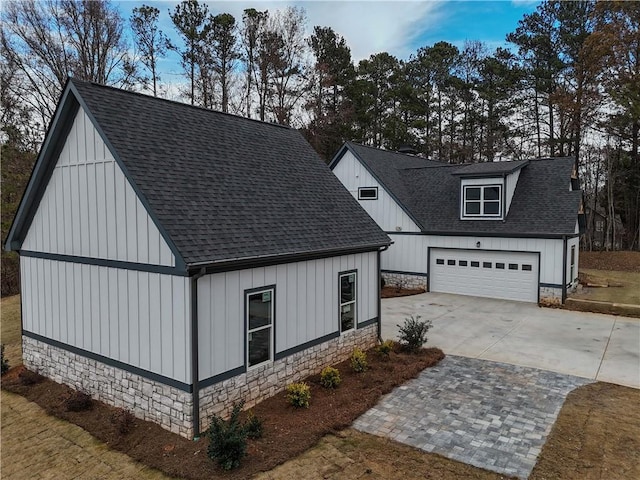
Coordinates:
[175,260]
[507,230]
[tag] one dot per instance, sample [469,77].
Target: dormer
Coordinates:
[486,189]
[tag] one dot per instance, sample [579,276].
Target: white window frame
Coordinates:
[572,263]
[360,189]
[353,303]
[270,326]
[482,202]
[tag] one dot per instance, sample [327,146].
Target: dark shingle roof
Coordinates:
[542,203]
[490,168]
[226,187]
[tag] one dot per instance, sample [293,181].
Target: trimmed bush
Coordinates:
[299,395]
[123,421]
[413,334]
[385,348]
[359,360]
[227,439]
[78,402]
[253,426]
[330,377]
[27,377]
[5,362]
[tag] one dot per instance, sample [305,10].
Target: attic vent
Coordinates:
[407,149]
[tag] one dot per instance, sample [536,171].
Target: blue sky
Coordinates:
[398,27]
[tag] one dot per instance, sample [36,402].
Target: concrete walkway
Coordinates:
[589,345]
[491,415]
[38,446]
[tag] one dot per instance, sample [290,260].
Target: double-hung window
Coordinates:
[482,201]
[260,313]
[348,301]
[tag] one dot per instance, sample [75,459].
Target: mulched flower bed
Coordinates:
[390,291]
[287,431]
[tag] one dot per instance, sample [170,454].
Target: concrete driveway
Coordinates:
[589,345]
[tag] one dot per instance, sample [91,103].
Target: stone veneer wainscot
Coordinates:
[170,407]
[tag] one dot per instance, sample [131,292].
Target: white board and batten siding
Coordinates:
[511,183]
[306,306]
[138,318]
[385,210]
[409,252]
[89,208]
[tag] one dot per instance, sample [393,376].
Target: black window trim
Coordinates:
[354,301]
[361,197]
[247,293]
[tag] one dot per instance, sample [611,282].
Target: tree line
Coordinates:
[568,85]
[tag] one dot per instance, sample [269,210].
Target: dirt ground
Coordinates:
[609,286]
[10,330]
[623,261]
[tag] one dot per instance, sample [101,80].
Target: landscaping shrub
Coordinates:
[413,334]
[123,421]
[385,348]
[5,362]
[253,426]
[27,377]
[227,439]
[358,360]
[383,282]
[330,377]
[299,395]
[78,402]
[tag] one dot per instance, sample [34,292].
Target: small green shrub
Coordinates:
[299,395]
[330,377]
[227,439]
[385,348]
[358,360]
[78,402]
[413,334]
[253,426]
[4,361]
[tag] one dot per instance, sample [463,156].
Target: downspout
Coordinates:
[380,292]
[564,268]
[194,354]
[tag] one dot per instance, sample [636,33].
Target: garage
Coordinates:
[485,273]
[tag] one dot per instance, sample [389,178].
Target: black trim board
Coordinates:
[550,285]
[103,262]
[401,272]
[111,362]
[366,323]
[42,169]
[254,262]
[306,345]
[558,236]
[221,377]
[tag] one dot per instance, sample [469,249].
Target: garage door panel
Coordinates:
[493,274]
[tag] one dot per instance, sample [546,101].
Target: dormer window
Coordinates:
[482,201]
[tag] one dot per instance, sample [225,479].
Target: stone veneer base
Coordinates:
[405,280]
[172,408]
[265,381]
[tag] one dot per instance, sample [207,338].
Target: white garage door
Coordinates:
[505,275]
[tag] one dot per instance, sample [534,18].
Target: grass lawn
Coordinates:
[10,329]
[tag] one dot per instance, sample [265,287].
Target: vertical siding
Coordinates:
[385,211]
[138,318]
[306,306]
[89,208]
[512,182]
[409,252]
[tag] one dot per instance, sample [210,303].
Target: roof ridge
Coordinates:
[178,103]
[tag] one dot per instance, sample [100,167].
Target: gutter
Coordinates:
[564,268]
[380,292]
[194,353]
